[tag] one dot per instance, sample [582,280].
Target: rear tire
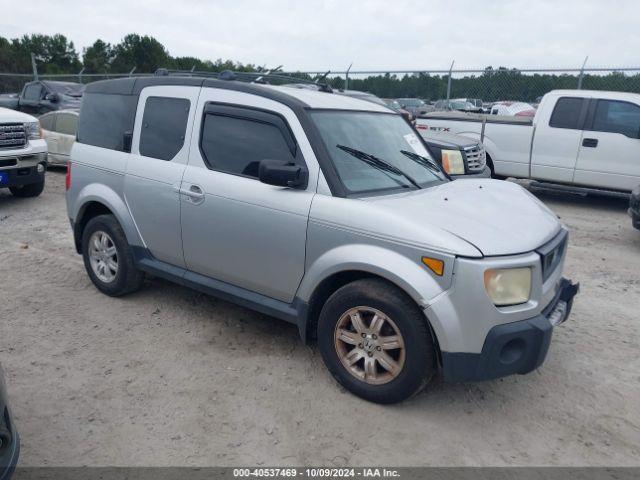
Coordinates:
[30,190]
[108,258]
[385,368]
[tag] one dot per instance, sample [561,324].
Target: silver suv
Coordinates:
[322,210]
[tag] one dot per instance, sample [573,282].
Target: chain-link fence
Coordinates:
[489,84]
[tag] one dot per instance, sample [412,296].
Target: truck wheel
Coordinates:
[31,190]
[375,341]
[108,257]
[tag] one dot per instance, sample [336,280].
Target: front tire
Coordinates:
[376,342]
[108,258]
[30,190]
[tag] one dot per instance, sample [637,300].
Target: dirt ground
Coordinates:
[169,376]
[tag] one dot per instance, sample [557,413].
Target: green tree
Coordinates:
[143,52]
[98,57]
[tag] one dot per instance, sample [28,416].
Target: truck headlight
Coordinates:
[508,286]
[452,162]
[32,129]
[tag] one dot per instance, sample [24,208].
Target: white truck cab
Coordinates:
[577,137]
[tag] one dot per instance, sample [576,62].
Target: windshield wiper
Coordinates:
[378,163]
[424,161]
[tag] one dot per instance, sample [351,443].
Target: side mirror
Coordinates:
[283,174]
[52,97]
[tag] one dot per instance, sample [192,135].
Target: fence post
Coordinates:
[80,75]
[346,77]
[582,72]
[449,81]
[34,66]
[132,70]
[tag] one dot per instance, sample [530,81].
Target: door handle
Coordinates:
[194,191]
[590,142]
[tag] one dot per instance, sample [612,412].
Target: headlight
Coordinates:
[452,162]
[33,130]
[508,286]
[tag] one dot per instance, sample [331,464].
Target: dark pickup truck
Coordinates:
[42,96]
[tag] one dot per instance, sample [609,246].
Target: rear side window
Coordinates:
[47,121]
[164,125]
[237,145]
[617,117]
[567,113]
[105,118]
[67,124]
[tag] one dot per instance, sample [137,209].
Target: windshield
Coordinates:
[385,136]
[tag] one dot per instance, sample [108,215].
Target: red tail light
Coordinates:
[67,179]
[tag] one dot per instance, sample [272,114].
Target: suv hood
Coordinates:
[496,217]
[446,139]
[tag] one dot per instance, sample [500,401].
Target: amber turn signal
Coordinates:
[435,265]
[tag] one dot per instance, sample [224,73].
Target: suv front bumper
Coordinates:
[517,347]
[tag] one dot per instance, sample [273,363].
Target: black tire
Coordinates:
[127,278]
[420,352]
[30,190]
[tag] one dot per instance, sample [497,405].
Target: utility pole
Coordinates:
[346,77]
[34,66]
[582,72]
[449,81]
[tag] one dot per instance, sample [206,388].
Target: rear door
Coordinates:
[557,138]
[610,148]
[66,128]
[48,126]
[159,153]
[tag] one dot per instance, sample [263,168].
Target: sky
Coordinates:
[373,34]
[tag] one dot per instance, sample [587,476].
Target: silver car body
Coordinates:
[271,248]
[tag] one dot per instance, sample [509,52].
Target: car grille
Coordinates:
[12,135]
[476,157]
[551,254]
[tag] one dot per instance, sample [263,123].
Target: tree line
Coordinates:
[55,54]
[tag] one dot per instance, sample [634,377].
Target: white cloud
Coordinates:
[374,34]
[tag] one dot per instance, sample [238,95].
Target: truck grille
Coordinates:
[552,253]
[12,135]
[476,157]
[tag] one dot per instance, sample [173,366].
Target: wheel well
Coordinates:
[490,163]
[88,211]
[331,284]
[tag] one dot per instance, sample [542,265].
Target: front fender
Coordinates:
[407,273]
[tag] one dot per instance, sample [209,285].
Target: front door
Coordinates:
[159,154]
[610,149]
[236,229]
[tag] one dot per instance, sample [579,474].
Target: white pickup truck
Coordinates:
[580,138]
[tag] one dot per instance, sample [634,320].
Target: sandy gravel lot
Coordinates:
[169,376]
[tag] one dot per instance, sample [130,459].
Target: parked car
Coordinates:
[23,154]
[634,207]
[59,131]
[516,109]
[584,139]
[456,105]
[322,210]
[415,106]
[43,96]
[477,103]
[460,157]
[9,439]
[395,106]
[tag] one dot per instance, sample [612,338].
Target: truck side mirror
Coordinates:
[52,97]
[283,174]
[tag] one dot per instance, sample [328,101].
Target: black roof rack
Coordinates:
[268,77]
